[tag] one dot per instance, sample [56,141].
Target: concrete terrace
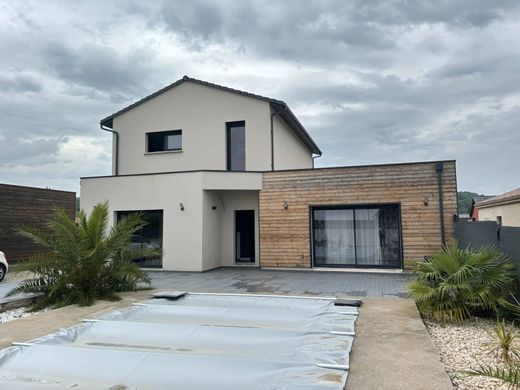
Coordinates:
[254,280]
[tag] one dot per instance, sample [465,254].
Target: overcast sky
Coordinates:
[372,81]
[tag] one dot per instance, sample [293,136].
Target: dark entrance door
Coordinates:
[245,236]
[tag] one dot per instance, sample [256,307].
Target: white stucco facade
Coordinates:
[201,113]
[509,213]
[198,238]
[201,234]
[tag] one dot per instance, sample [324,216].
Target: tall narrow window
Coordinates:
[236,146]
[162,141]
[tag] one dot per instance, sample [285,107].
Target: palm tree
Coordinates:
[455,283]
[84,260]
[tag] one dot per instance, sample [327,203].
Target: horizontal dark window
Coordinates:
[162,141]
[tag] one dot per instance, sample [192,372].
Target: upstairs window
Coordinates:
[236,146]
[164,141]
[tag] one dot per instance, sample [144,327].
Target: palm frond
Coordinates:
[510,374]
[83,261]
[455,282]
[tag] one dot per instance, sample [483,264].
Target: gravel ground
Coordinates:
[466,346]
[20,312]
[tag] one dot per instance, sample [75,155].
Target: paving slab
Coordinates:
[393,351]
[254,280]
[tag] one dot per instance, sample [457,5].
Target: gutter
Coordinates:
[287,111]
[439,167]
[116,134]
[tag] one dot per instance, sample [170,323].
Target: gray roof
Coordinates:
[278,106]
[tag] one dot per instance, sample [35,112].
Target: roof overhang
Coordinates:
[497,202]
[278,106]
[288,116]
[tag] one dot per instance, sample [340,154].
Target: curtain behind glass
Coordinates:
[334,237]
[368,239]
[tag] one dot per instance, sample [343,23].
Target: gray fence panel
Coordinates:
[476,234]
[510,241]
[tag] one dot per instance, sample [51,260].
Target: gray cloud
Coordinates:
[373,82]
[462,13]
[99,67]
[19,83]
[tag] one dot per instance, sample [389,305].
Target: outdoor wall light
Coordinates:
[285,205]
[213,207]
[425,201]
[181,206]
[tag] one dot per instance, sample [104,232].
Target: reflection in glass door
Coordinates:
[364,236]
[150,236]
[334,237]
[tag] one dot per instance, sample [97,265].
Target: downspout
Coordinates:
[272,139]
[313,158]
[439,167]
[116,167]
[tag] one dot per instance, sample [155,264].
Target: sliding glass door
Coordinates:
[364,236]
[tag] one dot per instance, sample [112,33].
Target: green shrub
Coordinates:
[503,336]
[455,283]
[82,261]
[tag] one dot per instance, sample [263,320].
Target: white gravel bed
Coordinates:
[466,346]
[20,312]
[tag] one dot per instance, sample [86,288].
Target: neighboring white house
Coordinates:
[191,157]
[504,209]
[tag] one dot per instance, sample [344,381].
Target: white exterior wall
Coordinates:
[201,113]
[211,230]
[198,238]
[289,151]
[510,213]
[182,238]
[232,201]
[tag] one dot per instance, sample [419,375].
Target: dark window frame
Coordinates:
[354,207]
[229,126]
[118,214]
[165,134]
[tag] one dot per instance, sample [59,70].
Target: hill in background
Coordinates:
[464,199]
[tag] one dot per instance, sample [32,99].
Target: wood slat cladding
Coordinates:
[285,234]
[29,207]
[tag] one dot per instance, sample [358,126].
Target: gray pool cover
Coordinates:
[201,341]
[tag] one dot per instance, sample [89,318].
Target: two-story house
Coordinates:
[226,178]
